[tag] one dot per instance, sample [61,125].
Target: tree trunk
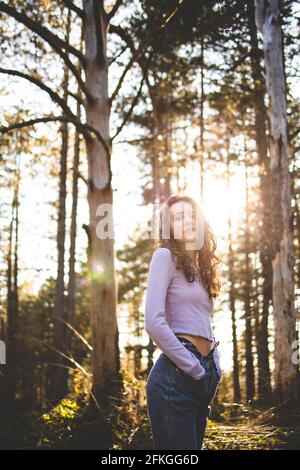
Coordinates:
[8,397]
[286,372]
[70,310]
[250,384]
[236,381]
[59,386]
[100,199]
[264,375]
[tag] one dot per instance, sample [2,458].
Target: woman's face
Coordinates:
[183,221]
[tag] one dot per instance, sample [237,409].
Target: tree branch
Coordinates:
[127,39]
[74,8]
[56,43]
[55,96]
[114,9]
[294,133]
[137,53]
[79,175]
[85,129]
[42,31]
[134,102]
[76,97]
[116,57]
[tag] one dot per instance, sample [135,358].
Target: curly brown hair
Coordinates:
[206,260]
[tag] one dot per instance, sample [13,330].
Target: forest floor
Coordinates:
[250,436]
[126,426]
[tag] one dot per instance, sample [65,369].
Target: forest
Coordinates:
[108,107]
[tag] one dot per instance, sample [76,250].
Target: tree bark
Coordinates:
[59,386]
[250,383]
[264,375]
[71,303]
[100,200]
[8,395]
[286,372]
[236,380]
[59,374]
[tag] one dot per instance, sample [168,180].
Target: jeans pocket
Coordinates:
[195,388]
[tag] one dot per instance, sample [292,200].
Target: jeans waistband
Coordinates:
[193,347]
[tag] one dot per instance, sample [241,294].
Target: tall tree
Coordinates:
[286,372]
[231,276]
[10,385]
[59,385]
[264,376]
[250,384]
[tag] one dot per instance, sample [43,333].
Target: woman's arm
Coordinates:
[159,277]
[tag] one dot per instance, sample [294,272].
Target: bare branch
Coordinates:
[135,141]
[127,39]
[85,129]
[55,96]
[77,98]
[80,175]
[42,31]
[116,57]
[114,9]
[74,8]
[294,133]
[56,43]
[135,100]
[137,53]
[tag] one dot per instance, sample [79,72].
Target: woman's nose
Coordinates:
[189,222]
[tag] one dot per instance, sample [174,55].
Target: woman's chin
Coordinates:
[189,237]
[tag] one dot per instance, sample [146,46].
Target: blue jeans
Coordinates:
[177,404]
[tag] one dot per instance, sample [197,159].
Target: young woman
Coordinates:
[182,283]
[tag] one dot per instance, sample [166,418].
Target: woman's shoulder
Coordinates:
[164,254]
[162,249]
